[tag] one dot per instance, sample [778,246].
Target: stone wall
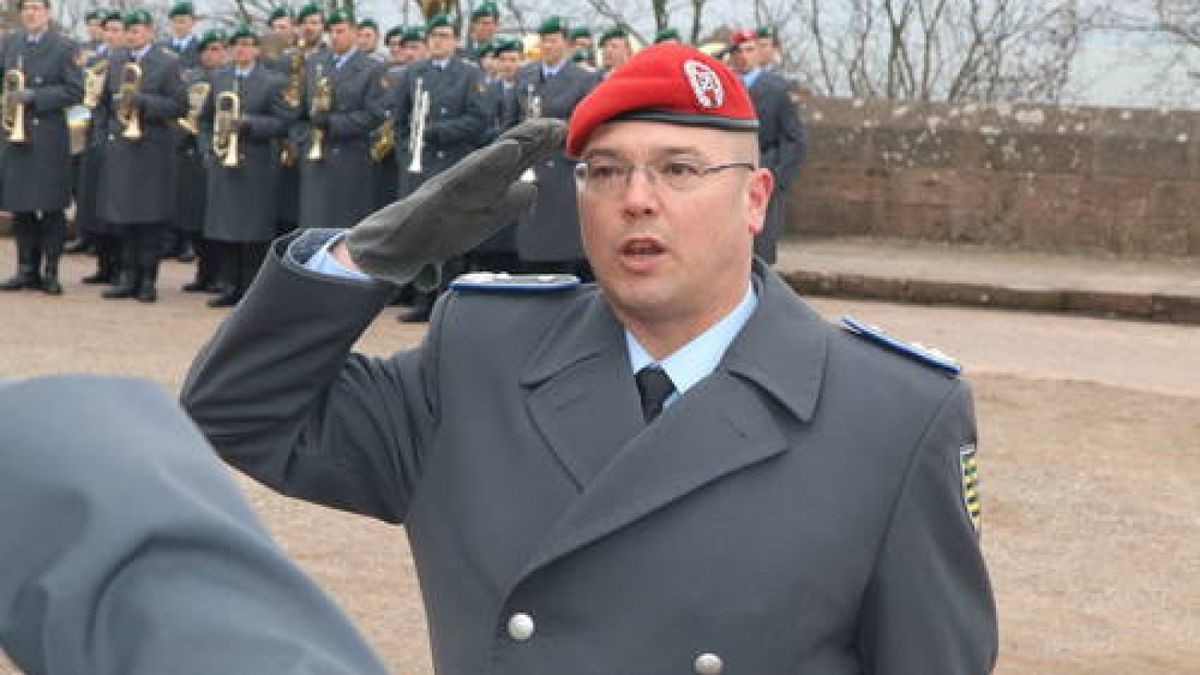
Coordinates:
[1070,180]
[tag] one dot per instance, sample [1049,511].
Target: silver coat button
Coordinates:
[708,664]
[520,626]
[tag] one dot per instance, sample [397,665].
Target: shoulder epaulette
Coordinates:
[504,282]
[913,350]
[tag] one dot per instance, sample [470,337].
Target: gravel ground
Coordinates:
[1090,448]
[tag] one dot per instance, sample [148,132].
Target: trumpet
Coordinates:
[384,142]
[197,94]
[93,82]
[416,126]
[533,109]
[13,119]
[127,113]
[295,78]
[225,128]
[322,101]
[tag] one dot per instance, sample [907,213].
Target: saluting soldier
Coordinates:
[780,134]
[336,173]
[36,156]
[136,192]
[485,20]
[191,178]
[548,238]
[178,237]
[243,160]
[102,235]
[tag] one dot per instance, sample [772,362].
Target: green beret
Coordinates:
[394,31]
[279,13]
[486,9]
[137,17]
[93,14]
[507,44]
[582,55]
[613,33]
[244,30]
[211,36]
[107,15]
[369,23]
[580,32]
[553,24]
[308,10]
[438,21]
[413,34]
[765,31]
[182,8]
[665,34]
[339,15]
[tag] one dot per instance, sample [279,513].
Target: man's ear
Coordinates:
[761,184]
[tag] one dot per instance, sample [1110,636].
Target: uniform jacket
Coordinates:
[37,174]
[82,590]
[781,146]
[551,231]
[88,181]
[137,185]
[798,511]
[189,58]
[241,204]
[340,190]
[454,124]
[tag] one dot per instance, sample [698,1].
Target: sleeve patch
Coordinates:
[968,464]
[913,350]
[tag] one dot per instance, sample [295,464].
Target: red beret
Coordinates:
[743,35]
[667,82]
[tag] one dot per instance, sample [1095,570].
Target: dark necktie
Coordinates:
[654,387]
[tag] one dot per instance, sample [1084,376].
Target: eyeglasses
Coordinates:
[610,177]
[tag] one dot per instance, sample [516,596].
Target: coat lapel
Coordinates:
[724,424]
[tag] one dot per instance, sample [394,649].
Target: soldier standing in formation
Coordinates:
[244,118]
[179,235]
[367,39]
[343,104]
[485,19]
[548,238]
[144,94]
[615,49]
[36,179]
[499,251]
[394,41]
[452,123]
[780,134]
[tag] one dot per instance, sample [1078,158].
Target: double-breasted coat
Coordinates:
[340,189]
[799,510]
[190,175]
[241,204]
[781,149]
[137,185]
[37,174]
[454,123]
[551,231]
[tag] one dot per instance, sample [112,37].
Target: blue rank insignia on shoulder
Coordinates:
[927,355]
[520,283]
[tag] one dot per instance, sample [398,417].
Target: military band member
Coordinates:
[367,39]
[88,51]
[615,49]
[183,41]
[311,28]
[583,51]
[394,40]
[453,122]
[343,103]
[780,134]
[95,31]
[309,37]
[191,178]
[485,20]
[412,45]
[548,239]
[767,43]
[41,80]
[144,95]
[101,235]
[241,147]
[280,22]
[668,35]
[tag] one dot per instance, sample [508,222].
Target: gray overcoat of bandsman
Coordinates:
[337,188]
[549,237]
[243,163]
[179,238]
[36,156]
[100,234]
[136,187]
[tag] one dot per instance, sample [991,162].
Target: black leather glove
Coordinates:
[457,209]
[319,119]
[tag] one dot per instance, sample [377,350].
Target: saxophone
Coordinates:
[93,82]
[127,113]
[322,101]
[13,117]
[225,133]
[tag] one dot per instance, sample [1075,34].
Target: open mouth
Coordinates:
[642,247]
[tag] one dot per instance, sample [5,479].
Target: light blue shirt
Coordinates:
[697,359]
[751,77]
[339,61]
[686,366]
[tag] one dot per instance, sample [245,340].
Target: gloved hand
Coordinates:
[457,209]
[319,119]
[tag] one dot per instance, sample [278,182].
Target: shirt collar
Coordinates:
[698,358]
[550,71]
[137,54]
[35,37]
[238,72]
[751,77]
[440,64]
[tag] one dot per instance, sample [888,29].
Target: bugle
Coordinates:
[416,126]
[127,112]
[13,119]
[322,102]
[228,110]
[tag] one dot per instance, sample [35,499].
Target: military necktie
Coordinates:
[654,387]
